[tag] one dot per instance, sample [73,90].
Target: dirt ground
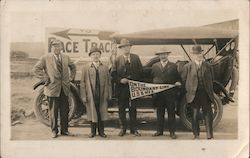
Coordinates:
[32,129]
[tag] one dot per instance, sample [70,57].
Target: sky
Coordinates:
[27,21]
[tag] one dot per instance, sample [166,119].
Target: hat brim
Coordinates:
[124,45]
[94,51]
[159,53]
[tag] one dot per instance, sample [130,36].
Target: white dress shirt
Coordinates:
[58,57]
[127,58]
[198,62]
[164,63]
[96,64]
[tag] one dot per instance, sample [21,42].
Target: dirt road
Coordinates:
[32,129]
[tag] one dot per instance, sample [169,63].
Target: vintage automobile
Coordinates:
[221,47]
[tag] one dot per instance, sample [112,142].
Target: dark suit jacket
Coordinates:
[190,79]
[166,75]
[118,69]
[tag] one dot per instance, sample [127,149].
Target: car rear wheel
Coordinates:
[41,107]
[186,114]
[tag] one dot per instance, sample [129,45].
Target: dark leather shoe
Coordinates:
[67,134]
[172,135]
[54,135]
[157,134]
[91,135]
[103,135]
[122,133]
[136,133]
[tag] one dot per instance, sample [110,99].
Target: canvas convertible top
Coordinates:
[178,35]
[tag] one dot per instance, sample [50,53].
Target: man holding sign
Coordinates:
[126,67]
[165,72]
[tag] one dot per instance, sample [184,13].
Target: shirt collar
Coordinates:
[164,63]
[198,62]
[59,55]
[96,64]
[127,57]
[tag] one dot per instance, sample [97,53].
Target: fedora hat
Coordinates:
[162,51]
[196,49]
[94,49]
[124,42]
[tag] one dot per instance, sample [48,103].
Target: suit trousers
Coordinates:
[123,103]
[59,104]
[161,101]
[203,101]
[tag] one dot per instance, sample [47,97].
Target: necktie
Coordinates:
[59,64]
[127,65]
[96,65]
[163,64]
[127,59]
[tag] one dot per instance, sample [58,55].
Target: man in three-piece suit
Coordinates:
[197,77]
[165,72]
[127,66]
[53,68]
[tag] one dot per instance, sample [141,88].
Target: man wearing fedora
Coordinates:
[95,89]
[198,78]
[54,69]
[165,72]
[126,67]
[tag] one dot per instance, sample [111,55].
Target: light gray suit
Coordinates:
[46,68]
[57,87]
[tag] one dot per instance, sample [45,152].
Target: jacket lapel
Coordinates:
[92,76]
[52,60]
[194,67]
[165,67]
[159,66]
[203,68]
[64,63]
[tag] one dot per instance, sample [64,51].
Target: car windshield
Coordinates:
[147,52]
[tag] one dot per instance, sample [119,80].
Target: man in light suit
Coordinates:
[53,68]
[127,66]
[197,77]
[165,72]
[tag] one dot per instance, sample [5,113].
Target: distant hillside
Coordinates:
[33,49]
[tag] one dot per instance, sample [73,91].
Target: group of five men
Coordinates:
[95,88]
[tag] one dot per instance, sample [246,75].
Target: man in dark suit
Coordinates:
[198,78]
[126,67]
[54,69]
[165,72]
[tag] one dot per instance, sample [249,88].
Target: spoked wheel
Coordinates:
[186,114]
[41,107]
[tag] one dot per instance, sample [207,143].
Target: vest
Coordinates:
[127,69]
[200,78]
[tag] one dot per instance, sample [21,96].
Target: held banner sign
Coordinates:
[140,89]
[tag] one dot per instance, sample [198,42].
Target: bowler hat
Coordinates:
[196,49]
[56,42]
[124,42]
[94,49]
[162,51]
